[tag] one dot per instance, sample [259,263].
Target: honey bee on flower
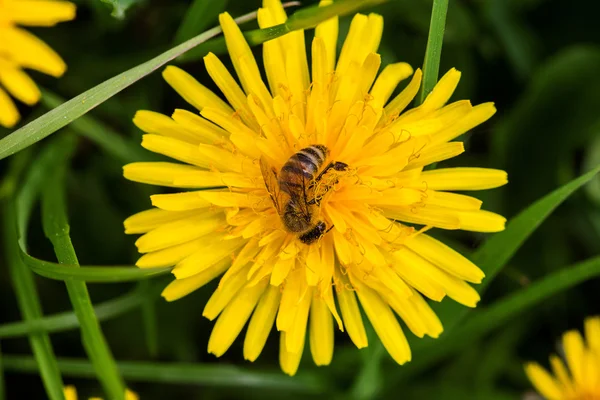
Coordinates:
[298,192]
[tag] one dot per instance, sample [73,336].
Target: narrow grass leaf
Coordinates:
[433,52]
[29,304]
[211,375]
[56,229]
[66,321]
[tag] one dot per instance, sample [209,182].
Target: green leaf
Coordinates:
[29,304]
[65,321]
[212,375]
[433,52]
[197,17]
[56,229]
[81,104]
[98,274]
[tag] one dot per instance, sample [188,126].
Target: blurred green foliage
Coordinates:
[537,59]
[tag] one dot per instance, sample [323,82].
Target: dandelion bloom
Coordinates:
[581,381]
[229,224]
[20,49]
[70,393]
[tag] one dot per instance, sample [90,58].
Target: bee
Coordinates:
[292,190]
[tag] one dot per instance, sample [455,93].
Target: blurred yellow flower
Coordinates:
[70,393]
[20,49]
[290,238]
[580,378]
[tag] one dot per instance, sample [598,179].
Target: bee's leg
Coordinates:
[335,165]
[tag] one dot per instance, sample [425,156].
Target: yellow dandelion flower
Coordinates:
[298,190]
[20,49]
[70,393]
[580,378]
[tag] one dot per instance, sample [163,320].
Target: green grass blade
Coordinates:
[487,319]
[101,134]
[197,17]
[29,304]
[66,321]
[81,104]
[97,274]
[212,375]
[56,229]
[433,52]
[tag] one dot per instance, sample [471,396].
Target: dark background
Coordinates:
[539,60]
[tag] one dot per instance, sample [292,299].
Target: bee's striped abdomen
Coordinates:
[301,168]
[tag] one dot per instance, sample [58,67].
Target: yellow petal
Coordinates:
[41,12]
[174,148]
[18,83]
[543,382]
[157,173]
[321,332]
[481,221]
[464,178]
[387,81]
[182,287]
[230,89]
[477,115]
[30,52]
[296,332]
[442,91]
[350,312]
[592,333]
[181,231]
[179,201]
[427,215]
[403,99]
[383,321]
[9,115]
[205,131]
[70,392]
[444,257]
[233,318]
[210,252]
[574,354]
[169,256]
[223,295]
[288,361]
[243,59]
[147,220]
[193,91]
[153,122]
[435,153]
[328,32]
[453,200]
[261,323]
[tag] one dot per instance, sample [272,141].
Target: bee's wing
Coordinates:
[270,177]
